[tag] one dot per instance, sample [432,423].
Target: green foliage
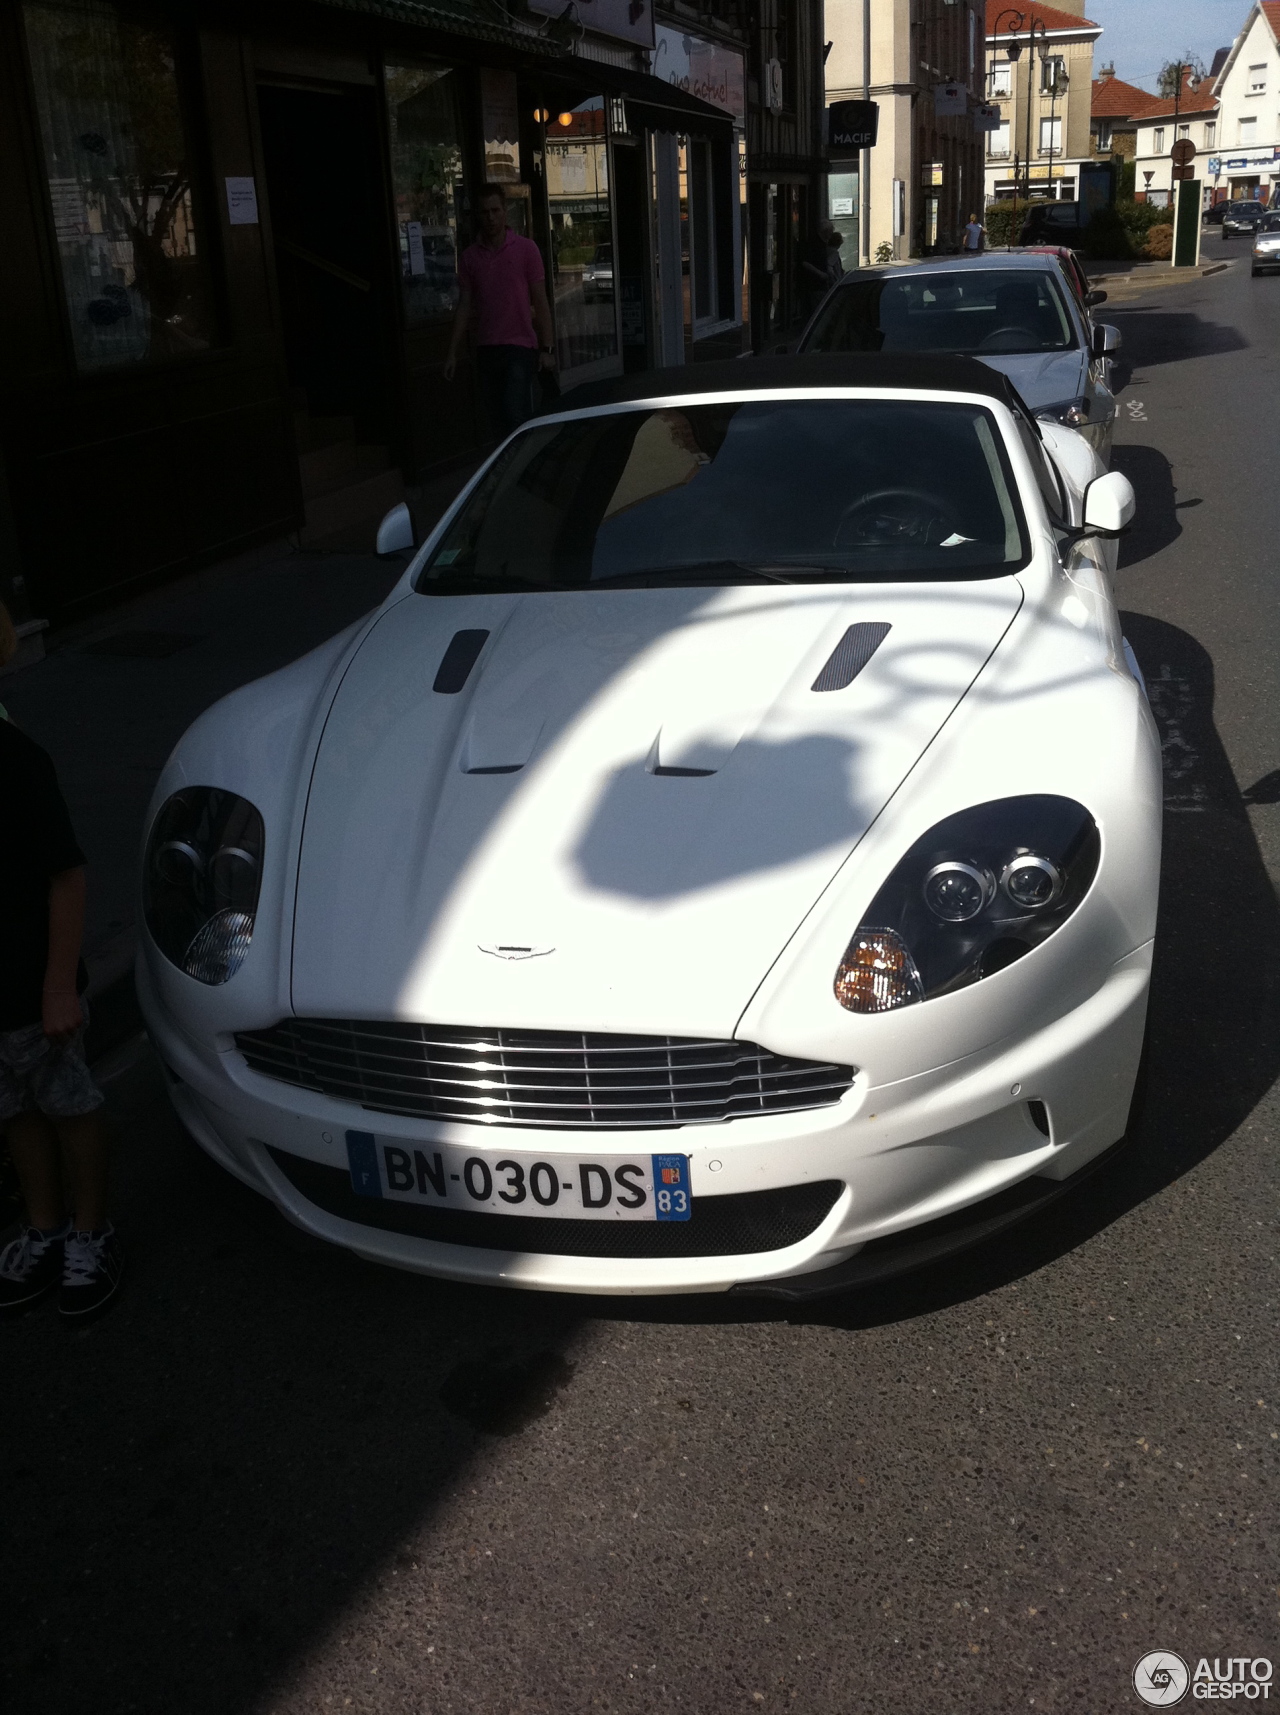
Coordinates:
[1128,181]
[1003,221]
[884,252]
[1106,238]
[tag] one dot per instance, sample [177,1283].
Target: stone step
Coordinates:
[312,432]
[354,510]
[338,465]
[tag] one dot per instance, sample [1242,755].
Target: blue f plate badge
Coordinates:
[671,1187]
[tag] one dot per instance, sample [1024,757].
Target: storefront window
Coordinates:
[426,177]
[842,211]
[115,152]
[577,156]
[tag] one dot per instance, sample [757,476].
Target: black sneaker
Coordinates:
[31,1267]
[91,1272]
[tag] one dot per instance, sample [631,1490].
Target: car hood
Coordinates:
[517,854]
[1044,377]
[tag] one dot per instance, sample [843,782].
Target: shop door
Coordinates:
[580,207]
[325,190]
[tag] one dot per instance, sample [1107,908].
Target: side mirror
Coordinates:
[1095,297]
[1106,339]
[395,533]
[1109,504]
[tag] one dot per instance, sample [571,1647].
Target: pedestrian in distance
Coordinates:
[835,263]
[503,295]
[48,1100]
[815,265]
[975,237]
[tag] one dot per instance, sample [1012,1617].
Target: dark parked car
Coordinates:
[1051,223]
[1242,217]
[1212,216]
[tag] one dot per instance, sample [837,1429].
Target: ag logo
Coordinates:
[1161,1678]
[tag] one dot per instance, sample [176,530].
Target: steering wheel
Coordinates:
[896,518]
[1022,338]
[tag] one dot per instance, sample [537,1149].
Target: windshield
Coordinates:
[779,491]
[990,312]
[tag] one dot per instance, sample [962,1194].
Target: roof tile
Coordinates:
[1053,17]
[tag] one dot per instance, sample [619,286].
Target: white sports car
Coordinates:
[728,858]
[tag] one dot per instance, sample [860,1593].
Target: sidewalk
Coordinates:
[114,694]
[1129,278]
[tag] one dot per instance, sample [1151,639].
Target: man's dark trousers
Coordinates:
[507,374]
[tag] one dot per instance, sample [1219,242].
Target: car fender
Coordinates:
[259,741]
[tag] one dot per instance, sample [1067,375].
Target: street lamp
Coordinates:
[1024,21]
[1058,87]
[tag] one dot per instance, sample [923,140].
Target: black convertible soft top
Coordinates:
[909,370]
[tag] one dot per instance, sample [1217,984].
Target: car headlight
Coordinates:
[1073,412]
[977,892]
[201,876]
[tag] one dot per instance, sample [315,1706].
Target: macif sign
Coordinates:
[852,125]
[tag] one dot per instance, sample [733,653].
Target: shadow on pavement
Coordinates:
[1156,522]
[201,1486]
[1153,335]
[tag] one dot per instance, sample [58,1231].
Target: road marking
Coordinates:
[1136,410]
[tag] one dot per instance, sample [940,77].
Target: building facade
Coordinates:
[1246,162]
[1114,113]
[233,242]
[1040,76]
[1191,117]
[924,70]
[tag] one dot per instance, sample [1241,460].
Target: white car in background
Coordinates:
[728,858]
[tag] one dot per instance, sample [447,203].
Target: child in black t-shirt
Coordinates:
[48,1099]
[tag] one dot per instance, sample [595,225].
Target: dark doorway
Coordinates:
[631,194]
[328,224]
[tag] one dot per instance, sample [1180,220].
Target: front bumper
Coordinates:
[898,1157]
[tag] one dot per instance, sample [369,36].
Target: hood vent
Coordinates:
[458,660]
[848,658]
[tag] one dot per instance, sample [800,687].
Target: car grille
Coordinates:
[551,1078]
[743,1223]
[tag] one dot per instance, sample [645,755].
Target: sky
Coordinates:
[1140,35]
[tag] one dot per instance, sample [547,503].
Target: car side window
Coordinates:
[1047,478]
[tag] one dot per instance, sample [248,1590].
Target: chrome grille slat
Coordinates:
[550,1079]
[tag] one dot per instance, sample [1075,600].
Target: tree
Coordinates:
[1167,86]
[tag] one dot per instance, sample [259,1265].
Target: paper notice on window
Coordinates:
[417,261]
[242,202]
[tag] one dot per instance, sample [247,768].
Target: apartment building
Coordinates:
[1040,75]
[925,72]
[1246,162]
[1190,116]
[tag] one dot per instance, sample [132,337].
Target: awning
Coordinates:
[651,103]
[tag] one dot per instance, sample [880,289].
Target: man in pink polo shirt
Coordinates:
[503,291]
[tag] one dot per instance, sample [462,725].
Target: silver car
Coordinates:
[1012,311]
[1266,245]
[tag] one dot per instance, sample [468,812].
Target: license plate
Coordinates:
[575,1188]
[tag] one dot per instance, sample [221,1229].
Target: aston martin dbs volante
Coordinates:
[727,860]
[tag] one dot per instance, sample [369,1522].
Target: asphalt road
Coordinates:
[278,1480]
